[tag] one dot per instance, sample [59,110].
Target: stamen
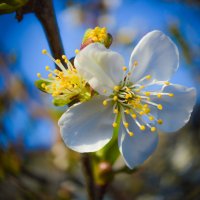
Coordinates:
[131,134]
[116,88]
[134,116]
[126,124]
[160,121]
[115,98]
[159,106]
[76,51]
[171,95]
[142,127]
[105,103]
[124,68]
[167,83]
[114,124]
[44,51]
[153,129]
[38,75]
[151,118]
[55,61]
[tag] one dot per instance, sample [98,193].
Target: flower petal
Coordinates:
[156,55]
[101,67]
[177,109]
[136,149]
[87,127]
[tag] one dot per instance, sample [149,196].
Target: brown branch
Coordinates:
[88,173]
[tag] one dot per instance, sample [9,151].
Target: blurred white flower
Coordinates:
[140,94]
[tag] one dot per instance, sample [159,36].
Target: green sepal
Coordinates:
[38,84]
[108,41]
[8,6]
[60,102]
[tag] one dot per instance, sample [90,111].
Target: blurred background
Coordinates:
[34,163]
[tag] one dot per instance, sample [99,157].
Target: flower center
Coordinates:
[65,84]
[132,99]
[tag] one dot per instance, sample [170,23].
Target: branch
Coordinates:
[88,173]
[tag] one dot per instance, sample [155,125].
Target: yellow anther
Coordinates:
[115,111]
[151,118]
[104,91]
[76,51]
[43,85]
[128,89]
[142,128]
[159,95]
[115,98]
[160,121]
[142,87]
[127,111]
[56,71]
[114,125]
[44,51]
[50,75]
[147,93]
[167,83]
[95,39]
[148,77]
[66,60]
[96,29]
[131,133]
[47,67]
[135,63]
[58,61]
[134,116]
[127,96]
[148,99]
[105,103]
[170,94]
[116,88]
[141,112]
[124,68]
[159,106]
[145,106]
[64,57]
[126,124]
[46,88]
[153,129]
[103,30]
[147,110]
[38,75]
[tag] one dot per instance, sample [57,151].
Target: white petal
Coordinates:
[156,55]
[101,67]
[176,110]
[136,149]
[87,127]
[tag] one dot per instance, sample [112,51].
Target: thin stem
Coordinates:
[88,173]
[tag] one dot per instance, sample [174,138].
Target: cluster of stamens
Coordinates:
[97,34]
[62,83]
[131,99]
